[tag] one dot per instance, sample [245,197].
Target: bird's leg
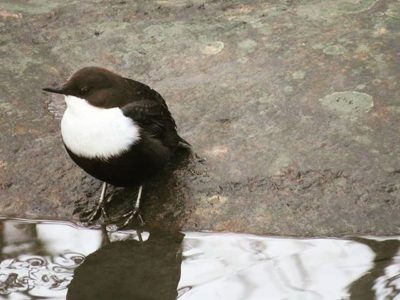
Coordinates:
[135,211]
[99,206]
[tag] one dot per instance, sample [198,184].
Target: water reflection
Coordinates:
[235,266]
[131,269]
[383,278]
[57,261]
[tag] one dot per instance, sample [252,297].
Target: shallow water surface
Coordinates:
[55,260]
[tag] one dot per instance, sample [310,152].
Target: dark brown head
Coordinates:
[96,85]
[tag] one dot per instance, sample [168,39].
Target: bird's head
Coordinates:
[92,84]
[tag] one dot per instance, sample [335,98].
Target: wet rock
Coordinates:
[292,113]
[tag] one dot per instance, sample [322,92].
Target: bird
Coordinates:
[117,130]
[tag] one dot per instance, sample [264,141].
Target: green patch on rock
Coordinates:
[352,7]
[179,3]
[361,86]
[394,109]
[299,74]
[32,7]
[335,50]
[212,48]
[288,89]
[318,46]
[248,45]
[393,10]
[350,102]
[329,9]
[362,139]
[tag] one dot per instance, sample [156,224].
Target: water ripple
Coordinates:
[57,261]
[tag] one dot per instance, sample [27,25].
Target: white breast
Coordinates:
[91,132]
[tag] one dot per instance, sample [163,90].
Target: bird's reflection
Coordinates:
[131,269]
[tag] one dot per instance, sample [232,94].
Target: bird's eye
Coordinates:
[84,89]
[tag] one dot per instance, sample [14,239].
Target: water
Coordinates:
[53,260]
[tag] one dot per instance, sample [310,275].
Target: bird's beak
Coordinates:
[56,90]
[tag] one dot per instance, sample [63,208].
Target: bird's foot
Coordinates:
[122,221]
[90,216]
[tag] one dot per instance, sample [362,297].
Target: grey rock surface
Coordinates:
[293,105]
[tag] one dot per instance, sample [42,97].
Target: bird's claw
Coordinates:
[128,218]
[94,214]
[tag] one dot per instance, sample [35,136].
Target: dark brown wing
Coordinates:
[154,119]
[148,109]
[139,91]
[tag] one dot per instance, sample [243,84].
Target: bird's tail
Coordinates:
[182,154]
[183,144]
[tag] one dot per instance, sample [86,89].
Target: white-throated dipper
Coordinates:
[118,130]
